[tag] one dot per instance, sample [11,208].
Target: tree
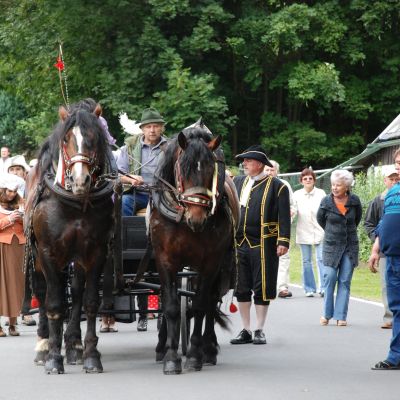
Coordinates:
[11,111]
[314,81]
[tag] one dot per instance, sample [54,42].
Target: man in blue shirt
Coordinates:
[388,242]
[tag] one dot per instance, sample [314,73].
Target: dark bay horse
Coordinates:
[69,225]
[200,235]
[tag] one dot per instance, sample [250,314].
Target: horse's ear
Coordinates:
[200,122]
[98,110]
[182,140]
[63,113]
[214,143]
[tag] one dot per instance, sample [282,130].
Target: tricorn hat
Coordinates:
[151,115]
[255,152]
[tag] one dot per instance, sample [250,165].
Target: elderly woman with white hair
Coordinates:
[339,215]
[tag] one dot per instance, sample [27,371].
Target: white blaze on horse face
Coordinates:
[198,166]
[78,166]
[79,171]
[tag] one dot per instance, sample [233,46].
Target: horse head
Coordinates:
[79,141]
[195,173]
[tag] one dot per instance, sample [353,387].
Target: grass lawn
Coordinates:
[365,284]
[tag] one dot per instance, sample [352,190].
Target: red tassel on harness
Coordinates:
[34,302]
[233,308]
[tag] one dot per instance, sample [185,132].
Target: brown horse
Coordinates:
[69,225]
[200,235]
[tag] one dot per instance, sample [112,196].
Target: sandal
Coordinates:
[385,365]
[2,333]
[323,321]
[12,331]
[112,329]
[104,329]
[341,323]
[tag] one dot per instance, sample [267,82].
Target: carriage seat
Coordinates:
[141,212]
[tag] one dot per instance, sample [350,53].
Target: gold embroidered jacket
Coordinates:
[265,223]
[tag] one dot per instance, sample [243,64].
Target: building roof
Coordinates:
[392,131]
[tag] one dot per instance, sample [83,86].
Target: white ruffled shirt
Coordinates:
[244,197]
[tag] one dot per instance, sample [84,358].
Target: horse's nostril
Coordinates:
[87,180]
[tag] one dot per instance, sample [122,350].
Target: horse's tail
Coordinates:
[221,319]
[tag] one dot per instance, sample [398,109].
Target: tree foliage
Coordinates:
[313,81]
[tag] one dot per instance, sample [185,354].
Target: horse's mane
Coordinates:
[80,114]
[195,152]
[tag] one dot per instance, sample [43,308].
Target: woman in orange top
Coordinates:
[339,215]
[12,242]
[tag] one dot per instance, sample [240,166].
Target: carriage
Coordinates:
[130,245]
[71,221]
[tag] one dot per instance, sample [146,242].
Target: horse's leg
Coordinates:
[194,357]
[42,345]
[91,356]
[55,314]
[171,311]
[210,342]
[72,335]
[162,340]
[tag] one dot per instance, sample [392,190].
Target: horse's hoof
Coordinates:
[40,358]
[54,366]
[160,356]
[74,356]
[210,359]
[172,367]
[92,365]
[193,364]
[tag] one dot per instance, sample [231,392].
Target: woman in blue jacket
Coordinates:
[339,215]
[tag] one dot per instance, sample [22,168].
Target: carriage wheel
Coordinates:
[185,320]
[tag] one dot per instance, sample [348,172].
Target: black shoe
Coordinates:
[142,325]
[28,320]
[283,294]
[243,338]
[259,337]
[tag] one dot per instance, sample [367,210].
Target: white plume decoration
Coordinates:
[129,126]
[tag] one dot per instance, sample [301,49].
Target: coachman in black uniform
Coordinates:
[263,236]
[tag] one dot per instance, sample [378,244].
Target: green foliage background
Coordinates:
[313,81]
[367,187]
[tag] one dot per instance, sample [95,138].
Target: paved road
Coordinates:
[301,361]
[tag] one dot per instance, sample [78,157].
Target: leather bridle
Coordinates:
[196,195]
[69,161]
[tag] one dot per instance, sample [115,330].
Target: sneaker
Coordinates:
[28,320]
[259,337]
[142,325]
[283,294]
[243,337]
[309,294]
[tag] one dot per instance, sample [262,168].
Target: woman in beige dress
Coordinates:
[12,242]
